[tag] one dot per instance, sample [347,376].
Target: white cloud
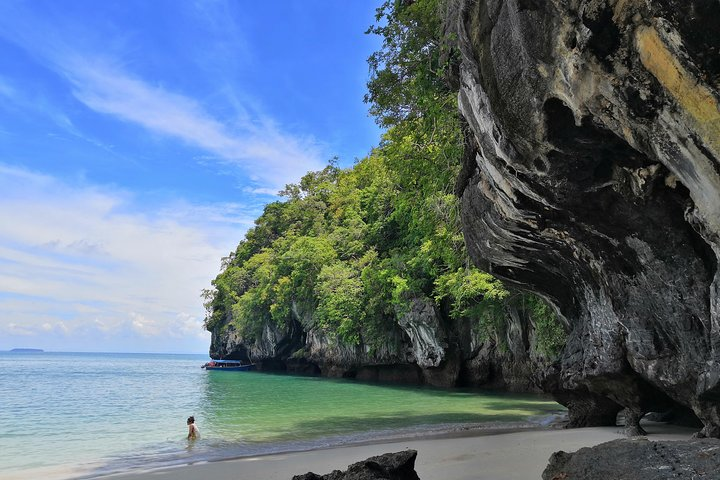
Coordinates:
[261,191]
[19,330]
[84,262]
[224,121]
[77,261]
[144,327]
[256,145]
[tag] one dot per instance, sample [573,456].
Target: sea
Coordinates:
[87,415]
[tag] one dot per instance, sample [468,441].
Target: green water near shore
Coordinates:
[307,407]
[102,413]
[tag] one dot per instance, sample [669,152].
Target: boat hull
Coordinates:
[243,368]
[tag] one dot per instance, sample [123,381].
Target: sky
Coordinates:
[140,139]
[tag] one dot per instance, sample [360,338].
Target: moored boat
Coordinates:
[228,365]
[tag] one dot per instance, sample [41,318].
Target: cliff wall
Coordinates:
[593,178]
[425,348]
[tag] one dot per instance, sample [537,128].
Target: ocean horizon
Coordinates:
[89,414]
[42,350]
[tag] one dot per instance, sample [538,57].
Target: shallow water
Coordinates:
[68,413]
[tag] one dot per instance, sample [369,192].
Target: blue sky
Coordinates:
[140,139]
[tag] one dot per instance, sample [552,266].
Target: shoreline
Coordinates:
[385,437]
[464,454]
[275,414]
[139,468]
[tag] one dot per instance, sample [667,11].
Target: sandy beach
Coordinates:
[476,455]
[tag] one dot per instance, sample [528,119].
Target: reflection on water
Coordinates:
[252,407]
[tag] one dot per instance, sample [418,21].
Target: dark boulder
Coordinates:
[389,466]
[632,459]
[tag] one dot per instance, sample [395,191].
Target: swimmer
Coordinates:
[193,432]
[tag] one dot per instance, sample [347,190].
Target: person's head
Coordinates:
[191,420]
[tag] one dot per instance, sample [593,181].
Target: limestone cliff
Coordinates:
[593,178]
[425,347]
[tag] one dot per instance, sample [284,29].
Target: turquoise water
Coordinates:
[72,414]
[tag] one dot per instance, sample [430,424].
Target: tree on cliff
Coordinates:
[348,249]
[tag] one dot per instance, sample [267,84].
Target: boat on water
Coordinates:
[228,366]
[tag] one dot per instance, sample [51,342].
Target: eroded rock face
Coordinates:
[638,458]
[593,178]
[423,326]
[424,348]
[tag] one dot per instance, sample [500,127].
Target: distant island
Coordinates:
[26,350]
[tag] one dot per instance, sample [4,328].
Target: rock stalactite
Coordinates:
[593,178]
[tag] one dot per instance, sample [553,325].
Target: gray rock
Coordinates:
[424,347]
[632,459]
[422,324]
[389,466]
[592,176]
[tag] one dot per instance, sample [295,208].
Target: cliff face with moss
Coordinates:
[347,279]
[587,167]
[593,178]
[423,348]
[363,272]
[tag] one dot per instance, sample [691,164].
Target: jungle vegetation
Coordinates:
[347,249]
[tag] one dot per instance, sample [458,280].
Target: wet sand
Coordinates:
[476,455]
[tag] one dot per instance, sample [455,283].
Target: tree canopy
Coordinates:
[348,249]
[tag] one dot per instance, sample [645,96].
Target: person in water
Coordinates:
[193,432]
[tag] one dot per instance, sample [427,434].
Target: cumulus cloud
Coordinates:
[79,261]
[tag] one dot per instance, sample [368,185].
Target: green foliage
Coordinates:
[348,249]
[549,331]
[341,301]
[409,74]
[302,263]
[477,295]
[472,292]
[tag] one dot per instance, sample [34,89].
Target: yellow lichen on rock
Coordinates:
[621,9]
[696,99]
